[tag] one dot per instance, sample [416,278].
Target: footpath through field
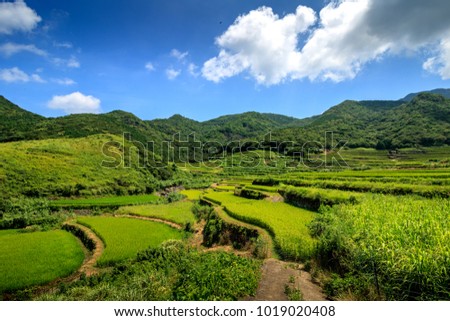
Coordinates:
[277,274]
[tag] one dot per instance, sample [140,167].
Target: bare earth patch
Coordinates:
[276,274]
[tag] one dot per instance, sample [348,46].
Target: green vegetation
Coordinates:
[314,198]
[106,201]
[22,212]
[124,237]
[401,244]
[35,258]
[287,224]
[178,212]
[192,194]
[379,230]
[70,167]
[170,272]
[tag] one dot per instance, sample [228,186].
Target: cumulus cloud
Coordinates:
[149,66]
[262,43]
[8,49]
[347,35]
[17,16]
[75,103]
[15,74]
[172,73]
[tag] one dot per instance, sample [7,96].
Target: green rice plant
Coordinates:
[287,224]
[124,237]
[401,244]
[313,198]
[111,201]
[192,194]
[35,258]
[177,212]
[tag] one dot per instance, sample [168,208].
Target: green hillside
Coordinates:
[424,121]
[72,167]
[15,122]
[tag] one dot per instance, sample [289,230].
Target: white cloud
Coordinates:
[64,81]
[347,35]
[172,73]
[193,70]
[180,56]
[8,49]
[17,16]
[65,45]
[440,63]
[149,66]
[262,43]
[73,62]
[75,103]
[16,75]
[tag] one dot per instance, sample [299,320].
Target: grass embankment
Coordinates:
[287,224]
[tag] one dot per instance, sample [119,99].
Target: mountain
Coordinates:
[82,125]
[439,91]
[422,120]
[225,128]
[15,122]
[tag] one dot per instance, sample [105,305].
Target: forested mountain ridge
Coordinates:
[422,121]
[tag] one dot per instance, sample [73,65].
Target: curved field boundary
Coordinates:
[88,267]
[265,235]
[153,219]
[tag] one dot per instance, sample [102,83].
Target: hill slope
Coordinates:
[15,122]
[69,166]
[424,121]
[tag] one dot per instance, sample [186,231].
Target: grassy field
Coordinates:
[106,201]
[402,243]
[35,258]
[124,237]
[288,224]
[177,212]
[192,194]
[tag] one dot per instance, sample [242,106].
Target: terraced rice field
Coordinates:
[35,258]
[124,237]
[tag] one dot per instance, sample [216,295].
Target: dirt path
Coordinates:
[277,274]
[88,267]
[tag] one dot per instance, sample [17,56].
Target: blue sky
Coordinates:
[203,59]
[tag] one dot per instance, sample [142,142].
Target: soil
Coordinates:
[277,274]
[88,267]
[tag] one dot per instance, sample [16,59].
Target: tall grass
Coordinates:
[403,243]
